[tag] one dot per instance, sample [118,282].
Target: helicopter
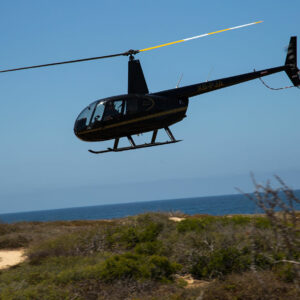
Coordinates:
[139,111]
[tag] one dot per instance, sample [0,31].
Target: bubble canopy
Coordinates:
[100,112]
[89,115]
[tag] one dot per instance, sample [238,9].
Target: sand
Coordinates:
[176,219]
[193,283]
[9,258]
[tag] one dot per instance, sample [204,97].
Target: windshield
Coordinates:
[84,117]
[97,116]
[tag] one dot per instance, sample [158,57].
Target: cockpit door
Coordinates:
[114,111]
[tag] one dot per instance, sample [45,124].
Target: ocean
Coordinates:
[213,205]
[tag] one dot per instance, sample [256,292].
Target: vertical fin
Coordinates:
[291,62]
[136,80]
[291,57]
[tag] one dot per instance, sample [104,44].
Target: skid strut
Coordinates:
[134,146]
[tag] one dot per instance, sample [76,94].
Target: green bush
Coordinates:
[287,272]
[251,285]
[221,262]
[60,246]
[13,240]
[121,267]
[262,222]
[4,228]
[45,292]
[195,224]
[150,232]
[261,261]
[150,248]
[161,268]
[136,266]
[130,235]
[80,242]
[78,274]
[235,220]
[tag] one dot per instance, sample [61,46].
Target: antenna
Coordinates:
[177,85]
[211,69]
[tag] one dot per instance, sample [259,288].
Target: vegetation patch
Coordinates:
[251,285]
[240,257]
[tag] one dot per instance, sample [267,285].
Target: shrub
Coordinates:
[61,246]
[4,228]
[251,286]
[120,267]
[285,225]
[194,224]
[287,272]
[13,240]
[161,268]
[45,292]
[262,222]
[80,242]
[138,267]
[221,262]
[150,248]
[236,220]
[150,232]
[130,235]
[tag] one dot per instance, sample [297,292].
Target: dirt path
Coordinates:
[9,258]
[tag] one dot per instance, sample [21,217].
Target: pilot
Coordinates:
[110,111]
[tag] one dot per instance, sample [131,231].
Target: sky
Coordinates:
[227,133]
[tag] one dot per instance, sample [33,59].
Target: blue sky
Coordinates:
[227,134]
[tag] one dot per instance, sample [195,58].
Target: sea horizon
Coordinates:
[212,205]
[118,203]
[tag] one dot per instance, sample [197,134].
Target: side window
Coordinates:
[113,110]
[119,106]
[98,112]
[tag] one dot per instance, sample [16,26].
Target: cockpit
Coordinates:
[106,111]
[96,112]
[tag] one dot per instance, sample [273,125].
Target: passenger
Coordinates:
[110,111]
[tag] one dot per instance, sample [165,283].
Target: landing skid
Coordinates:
[134,146]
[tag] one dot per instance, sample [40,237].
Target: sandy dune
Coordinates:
[9,258]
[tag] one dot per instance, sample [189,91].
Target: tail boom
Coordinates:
[290,68]
[205,87]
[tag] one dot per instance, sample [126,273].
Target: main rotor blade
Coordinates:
[65,62]
[129,52]
[199,36]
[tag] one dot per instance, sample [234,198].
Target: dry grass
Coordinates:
[251,286]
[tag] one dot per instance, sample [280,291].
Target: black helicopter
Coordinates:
[139,111]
